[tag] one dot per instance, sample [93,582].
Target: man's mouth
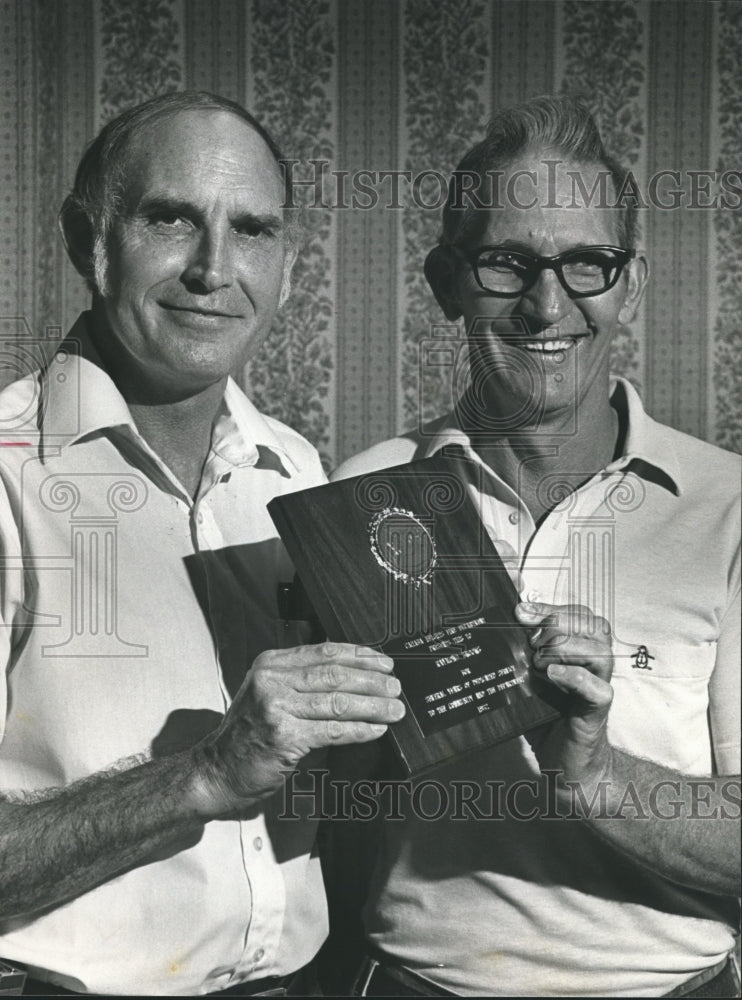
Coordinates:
[547,345]
[201,311]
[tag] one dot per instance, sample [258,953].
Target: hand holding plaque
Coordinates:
[400,560]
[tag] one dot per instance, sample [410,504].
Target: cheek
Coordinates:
[613,304]
[603,311]
[260,275]
[137,269]
[475,305]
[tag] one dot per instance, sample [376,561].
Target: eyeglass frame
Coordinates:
[540,264]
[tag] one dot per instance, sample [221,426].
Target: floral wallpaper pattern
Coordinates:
[445,58]
[139,43]
[603,43]
[727,375]
[395,88]
[291,55]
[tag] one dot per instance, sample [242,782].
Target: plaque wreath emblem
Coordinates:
[402,545]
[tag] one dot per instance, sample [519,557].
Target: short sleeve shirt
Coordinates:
[505,905]
[130,614]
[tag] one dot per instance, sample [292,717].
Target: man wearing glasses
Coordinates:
[622,538]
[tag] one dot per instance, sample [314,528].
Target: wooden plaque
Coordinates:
[399,560]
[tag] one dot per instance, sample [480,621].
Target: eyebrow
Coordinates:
[518,245]
[152,204]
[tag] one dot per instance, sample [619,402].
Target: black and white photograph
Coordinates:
[370,480]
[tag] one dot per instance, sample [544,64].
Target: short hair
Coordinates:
[91,208]
[559,123]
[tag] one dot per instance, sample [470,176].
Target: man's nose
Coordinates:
[210,266]
[546,302]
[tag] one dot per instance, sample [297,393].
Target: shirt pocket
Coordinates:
[292,632]
[660,705]
[297,623]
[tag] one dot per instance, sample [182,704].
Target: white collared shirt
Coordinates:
[507,907]
[130,614]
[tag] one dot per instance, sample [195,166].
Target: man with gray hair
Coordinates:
[155,692]
[599,855]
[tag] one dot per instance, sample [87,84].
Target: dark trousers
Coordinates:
[376,980]
[300,984]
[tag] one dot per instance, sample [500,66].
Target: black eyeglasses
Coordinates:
[583,272]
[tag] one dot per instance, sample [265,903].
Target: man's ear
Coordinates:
[288,264]
[638,273]
[441,268]
[78,238]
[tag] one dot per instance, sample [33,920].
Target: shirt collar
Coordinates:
[79,398]
[243,436]
[649,449]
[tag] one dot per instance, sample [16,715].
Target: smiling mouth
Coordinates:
[547,345]
[196,311]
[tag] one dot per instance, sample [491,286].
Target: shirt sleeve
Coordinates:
[11,592]
[725,715]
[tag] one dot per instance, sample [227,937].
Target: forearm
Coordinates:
[58,844]
[686,829]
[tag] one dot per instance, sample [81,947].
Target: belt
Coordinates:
[295,984]
[720,980]
[380,980]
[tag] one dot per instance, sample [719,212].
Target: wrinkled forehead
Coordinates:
[545,197]
[200,154]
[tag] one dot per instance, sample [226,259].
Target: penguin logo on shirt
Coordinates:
[641,658]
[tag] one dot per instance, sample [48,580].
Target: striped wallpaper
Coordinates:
[361,349]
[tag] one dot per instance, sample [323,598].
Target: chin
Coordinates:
[194,375]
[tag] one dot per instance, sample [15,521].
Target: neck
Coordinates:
[553,452]
[180,432]
[176,423]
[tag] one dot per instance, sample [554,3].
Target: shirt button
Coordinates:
[513,517]
[258,954]
[258,843]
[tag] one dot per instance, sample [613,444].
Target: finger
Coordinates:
[531,613]
[593,692]
[362,657]
[600,667]
[547,635]
[345,707]
[337,733]
[573,635]
[597,659]
[560,642]
[548,620]
[572,619]
[574,650]
[337,676]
